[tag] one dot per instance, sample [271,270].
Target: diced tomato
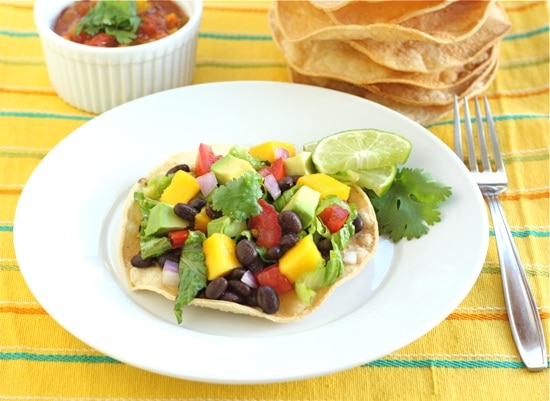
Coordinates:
[178,238]
[205,159]
[266,226]
[334,217]
[102,40]
[273,277]
[277,168]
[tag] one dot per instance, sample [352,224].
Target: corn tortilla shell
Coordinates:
[372,12]
[420,56]
[291,309]
[300,20]
[339,60]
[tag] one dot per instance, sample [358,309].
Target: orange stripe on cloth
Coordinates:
[22,311]
[531,195]
[487,316]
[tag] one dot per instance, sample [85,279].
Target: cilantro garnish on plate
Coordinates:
[411,204]
[115,18]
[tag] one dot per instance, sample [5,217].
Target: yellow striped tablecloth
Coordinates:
[469,356]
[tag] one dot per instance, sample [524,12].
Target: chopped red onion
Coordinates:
[272,186]
[249,279]
[207,182]
[350,257]
[170,278]
[171,265]
[170,273]
[281,152]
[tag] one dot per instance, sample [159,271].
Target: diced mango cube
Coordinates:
[267,150]
[301,258]
[183,188]
[201,221]
[326,185]
[219,255]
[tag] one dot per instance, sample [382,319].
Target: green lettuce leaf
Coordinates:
[192,272]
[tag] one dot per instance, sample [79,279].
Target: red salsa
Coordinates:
[158,18]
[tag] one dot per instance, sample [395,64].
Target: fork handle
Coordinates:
[522,310]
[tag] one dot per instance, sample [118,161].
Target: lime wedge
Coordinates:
[362,149]
[379,180]
[310,146]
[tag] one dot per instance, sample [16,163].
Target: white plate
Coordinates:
[66,231]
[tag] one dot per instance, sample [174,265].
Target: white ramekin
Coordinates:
[97,79]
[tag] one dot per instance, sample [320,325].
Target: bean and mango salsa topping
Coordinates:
[262,230]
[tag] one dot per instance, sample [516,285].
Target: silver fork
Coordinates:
[522,310]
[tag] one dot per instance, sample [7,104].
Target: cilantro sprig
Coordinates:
[411,205]
[238,198]
[115,18]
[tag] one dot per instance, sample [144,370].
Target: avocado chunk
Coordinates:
[303,203]
[228,167]
[163,219]
[226,225]
[300,164]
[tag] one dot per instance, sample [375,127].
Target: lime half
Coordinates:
[363,149]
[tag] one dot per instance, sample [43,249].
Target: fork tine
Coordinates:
[457,133]
[481,138]
[493,135]
[472,161]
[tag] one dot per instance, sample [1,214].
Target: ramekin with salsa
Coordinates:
[104,23]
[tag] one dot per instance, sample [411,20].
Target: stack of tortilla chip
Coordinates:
[411,56]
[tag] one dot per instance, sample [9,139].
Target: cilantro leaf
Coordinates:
[238,198]
[411,204]
[116,18]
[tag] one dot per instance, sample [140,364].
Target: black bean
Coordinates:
[285,183]
[177,168]
[138,261]
[232,297]
[239,287]
[268,299]
[324,245]
[168,256]
[256,266]
[288,240]
[197,203]
[236,273]
[185,211]
[246,252]
[211,212]
[252,299]
[274,253]
[358,223]
[216,288]
[290,222]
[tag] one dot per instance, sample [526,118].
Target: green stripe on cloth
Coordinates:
[438,363]
[30,114]
[27,356]
[526,34]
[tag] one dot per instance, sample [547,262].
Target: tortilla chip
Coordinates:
[291,309]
